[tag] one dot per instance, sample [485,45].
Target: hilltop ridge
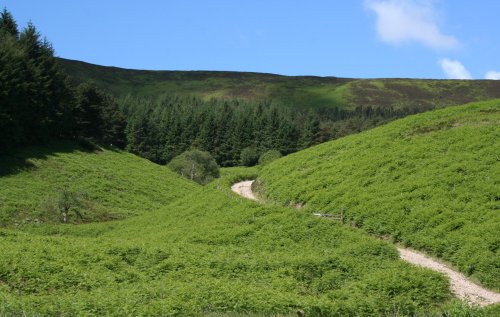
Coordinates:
[293,91]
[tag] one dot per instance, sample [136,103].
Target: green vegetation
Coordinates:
[38,184]
[195,165]
[198,250]
[429,181]
[268,157]
[249,156]
[192,250]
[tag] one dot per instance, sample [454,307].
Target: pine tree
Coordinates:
[208,132]
[97,116]
[224,120]
[113,124]
[87,111]
[8,24]
[33,46]
[287,137]
[311,130]
[12,77]
[35,101]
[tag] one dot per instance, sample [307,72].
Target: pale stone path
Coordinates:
[460,285]
[244,189]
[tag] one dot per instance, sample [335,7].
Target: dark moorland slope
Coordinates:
[295,91]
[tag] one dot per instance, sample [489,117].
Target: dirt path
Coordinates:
[244,189]
[460,285]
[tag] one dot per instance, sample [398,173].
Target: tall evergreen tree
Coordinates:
[97,116]
[8,24]
[310,132]
[35,100]
[12,76]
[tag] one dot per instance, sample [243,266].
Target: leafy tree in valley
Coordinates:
[249,156]
[196,165]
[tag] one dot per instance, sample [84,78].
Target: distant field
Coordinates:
[428,181]
[299,91]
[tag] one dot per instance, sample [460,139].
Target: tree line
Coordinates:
[162,128]
[236,132]
[37,102]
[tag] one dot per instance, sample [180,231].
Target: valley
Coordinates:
[127,192]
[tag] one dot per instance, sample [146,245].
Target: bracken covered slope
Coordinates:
[190,250]
[36,183]
[429,181]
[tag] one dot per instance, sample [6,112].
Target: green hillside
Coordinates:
[429,181]
[295,91]
[106,184]
[206,252]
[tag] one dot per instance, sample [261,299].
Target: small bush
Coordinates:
[67,203]
[195,165]
[269,156]
[249,156]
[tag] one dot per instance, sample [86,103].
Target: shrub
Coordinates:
[249,156]
[196,165]
[67,202]
[269,156]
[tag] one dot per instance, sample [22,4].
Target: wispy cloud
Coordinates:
[454,69]
[492,75]
[405,21]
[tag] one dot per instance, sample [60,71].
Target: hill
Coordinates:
[294,91]
[37,183]
[192,250]
[428,181]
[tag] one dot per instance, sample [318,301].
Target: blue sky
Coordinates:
[345,38]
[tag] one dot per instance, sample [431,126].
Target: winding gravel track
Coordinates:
[460,285]
[244,189]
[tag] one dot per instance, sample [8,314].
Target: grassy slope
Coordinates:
[207,251]
[302,91]
[430,181]
[115,184]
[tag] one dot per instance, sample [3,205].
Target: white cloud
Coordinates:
[402,21]
[492,75]
[454,69]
